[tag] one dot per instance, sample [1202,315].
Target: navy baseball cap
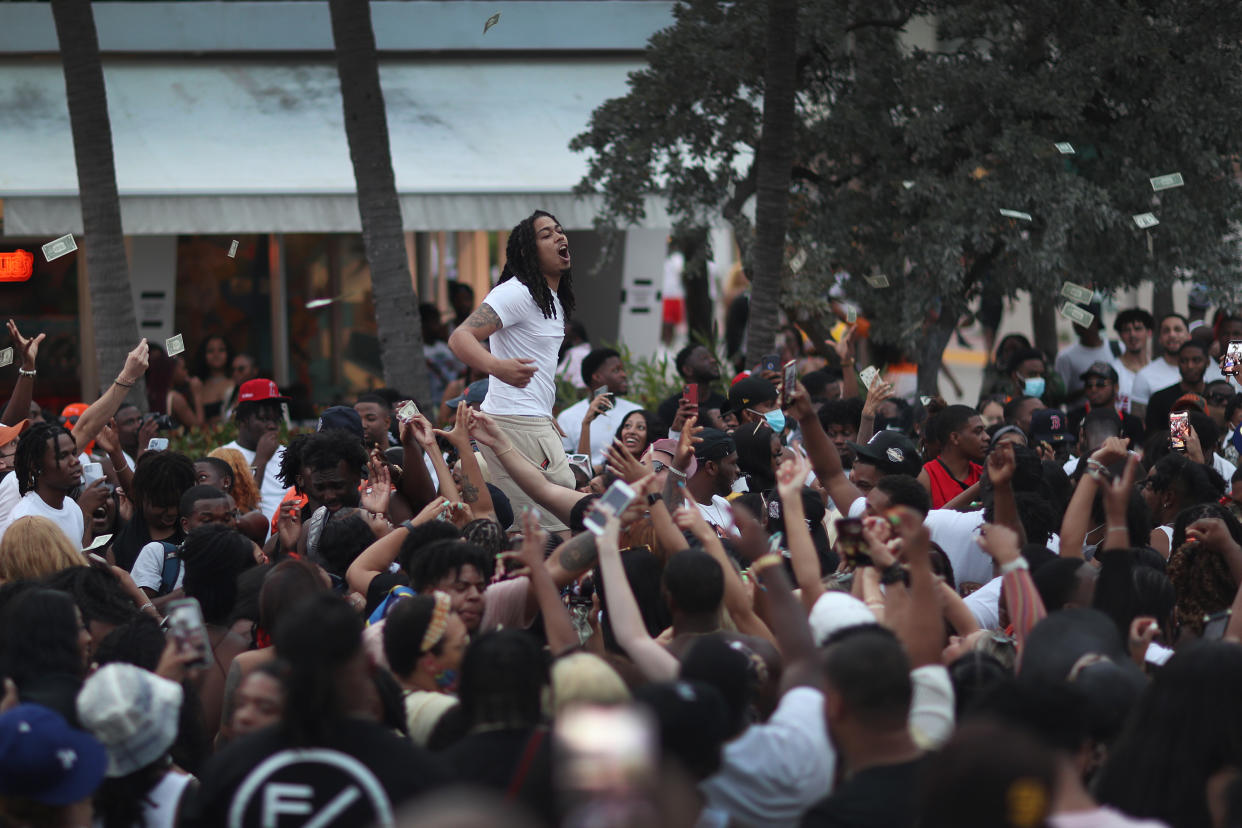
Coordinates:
[343,417]
[474,394]
[43,759]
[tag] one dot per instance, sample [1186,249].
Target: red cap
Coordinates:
[258,390]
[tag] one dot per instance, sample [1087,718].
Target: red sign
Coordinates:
[16,266]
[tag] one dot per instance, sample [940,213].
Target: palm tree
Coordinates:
[775,161]
[366,127]
[112,304]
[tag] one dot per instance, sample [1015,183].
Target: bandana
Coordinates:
[438,623]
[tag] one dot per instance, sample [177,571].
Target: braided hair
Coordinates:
[28,461]
[522,263]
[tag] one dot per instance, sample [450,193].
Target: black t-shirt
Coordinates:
[879,797]
[380,586]
[358,775]
[1160,404]
[1131,426]
[500,759]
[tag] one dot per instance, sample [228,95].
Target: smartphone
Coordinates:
[1179,430]
[1214,625]
[157,444]
[771,362]
[92,472]
[690,394]
[1232,359]
[789,378]
[614,501]
[188,631]
[869,375]
[850,543]
[602,391]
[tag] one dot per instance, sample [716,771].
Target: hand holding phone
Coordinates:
[690,394]
[157,444]
[189,631]
[614,502]
[1179,430]
[789,379]
[851,544]
[1232,358]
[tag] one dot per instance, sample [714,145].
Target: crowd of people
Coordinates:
[799,597]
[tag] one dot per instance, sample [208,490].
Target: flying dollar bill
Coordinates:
[233,249]
[59,247]
[491,21]
[6,357]
[174,345]
[1166,182]
[1016,214]
[1145,220]
[1064,148]
[1077,293]
[1077,315]
[877,280]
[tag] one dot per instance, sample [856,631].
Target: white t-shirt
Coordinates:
[9,498]
[1076,358]
[1125,386]
[148,568]
[1158,374]
[603,428]
[774,772]
[524,333]
[984,604]
[719,513]
[68,517]
[272,491]
[1101,817]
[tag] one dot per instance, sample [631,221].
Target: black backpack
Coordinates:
[172,567]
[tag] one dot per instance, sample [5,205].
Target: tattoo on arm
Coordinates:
[469,492]
[483,317]
[579,553]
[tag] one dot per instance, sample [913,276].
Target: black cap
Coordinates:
[1049,425]
[1100,369]
[891,452]
[342,417]
[715,445]
[749,391]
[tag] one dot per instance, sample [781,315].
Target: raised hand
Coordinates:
[378,490]
[791,476]
[598,406]
[27,348]
[530,555]
[1000,543]
[423,431]
[484,429]
[107,439]
[685,444]
[624,464]
[1001,464]
[289,525]
[136,362]
[459,437]
[876,394]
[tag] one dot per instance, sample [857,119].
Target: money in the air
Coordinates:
[797,261]
[1077,293]
[908,184]
[1167,182]
[59,247]
[877,280]
[1077,315]
[1145,220]
[1016,214]
[6,357]
[233,249]
[1064,148]
[491,21]
[407,411]
[174,345]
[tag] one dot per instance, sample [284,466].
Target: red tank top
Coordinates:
[944,486]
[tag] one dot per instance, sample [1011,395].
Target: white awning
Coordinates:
[250,145]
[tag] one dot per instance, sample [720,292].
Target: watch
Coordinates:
[652,499]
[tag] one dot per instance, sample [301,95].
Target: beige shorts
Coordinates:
[539,441]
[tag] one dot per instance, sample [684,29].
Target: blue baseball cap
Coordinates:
[474,395]
[45,760]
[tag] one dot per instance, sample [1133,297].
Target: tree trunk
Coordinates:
[775,160]
[692,244]
[366,127]
[1044,326]
[1161,305]
[935,340]
[112,302]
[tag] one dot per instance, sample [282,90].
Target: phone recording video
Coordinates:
[851,545]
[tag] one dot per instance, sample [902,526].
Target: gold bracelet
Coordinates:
[765,561]
[500,454]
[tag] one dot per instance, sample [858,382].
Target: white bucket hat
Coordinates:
[134,713]
[836,611]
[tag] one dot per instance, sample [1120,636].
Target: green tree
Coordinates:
[112,303]
[366,127]
[904,156]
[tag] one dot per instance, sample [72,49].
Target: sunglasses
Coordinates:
[1096,384]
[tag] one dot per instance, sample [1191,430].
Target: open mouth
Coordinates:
[630,440]
[563,252]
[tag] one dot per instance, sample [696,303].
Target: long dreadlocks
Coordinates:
[522,263]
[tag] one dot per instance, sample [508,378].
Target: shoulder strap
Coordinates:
[523,767]
[171,569]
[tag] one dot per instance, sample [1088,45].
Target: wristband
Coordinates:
[117,381]
[408,525]
[146,606]
[22,372]
[1014,565]
[765,561]
[500,454]
[652,499]
[675,473]
[893,574]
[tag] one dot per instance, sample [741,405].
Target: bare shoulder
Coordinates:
[484,317]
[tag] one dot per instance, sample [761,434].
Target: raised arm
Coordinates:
[876,394]
[474,491]
[426,437]
[823,454]
[558,500]
[377,557]
[790,478]
[25,353]
[1026,608]
[655,662]
[920,627]
[101,411]
[557,624]
[416,485]
[1000,469]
